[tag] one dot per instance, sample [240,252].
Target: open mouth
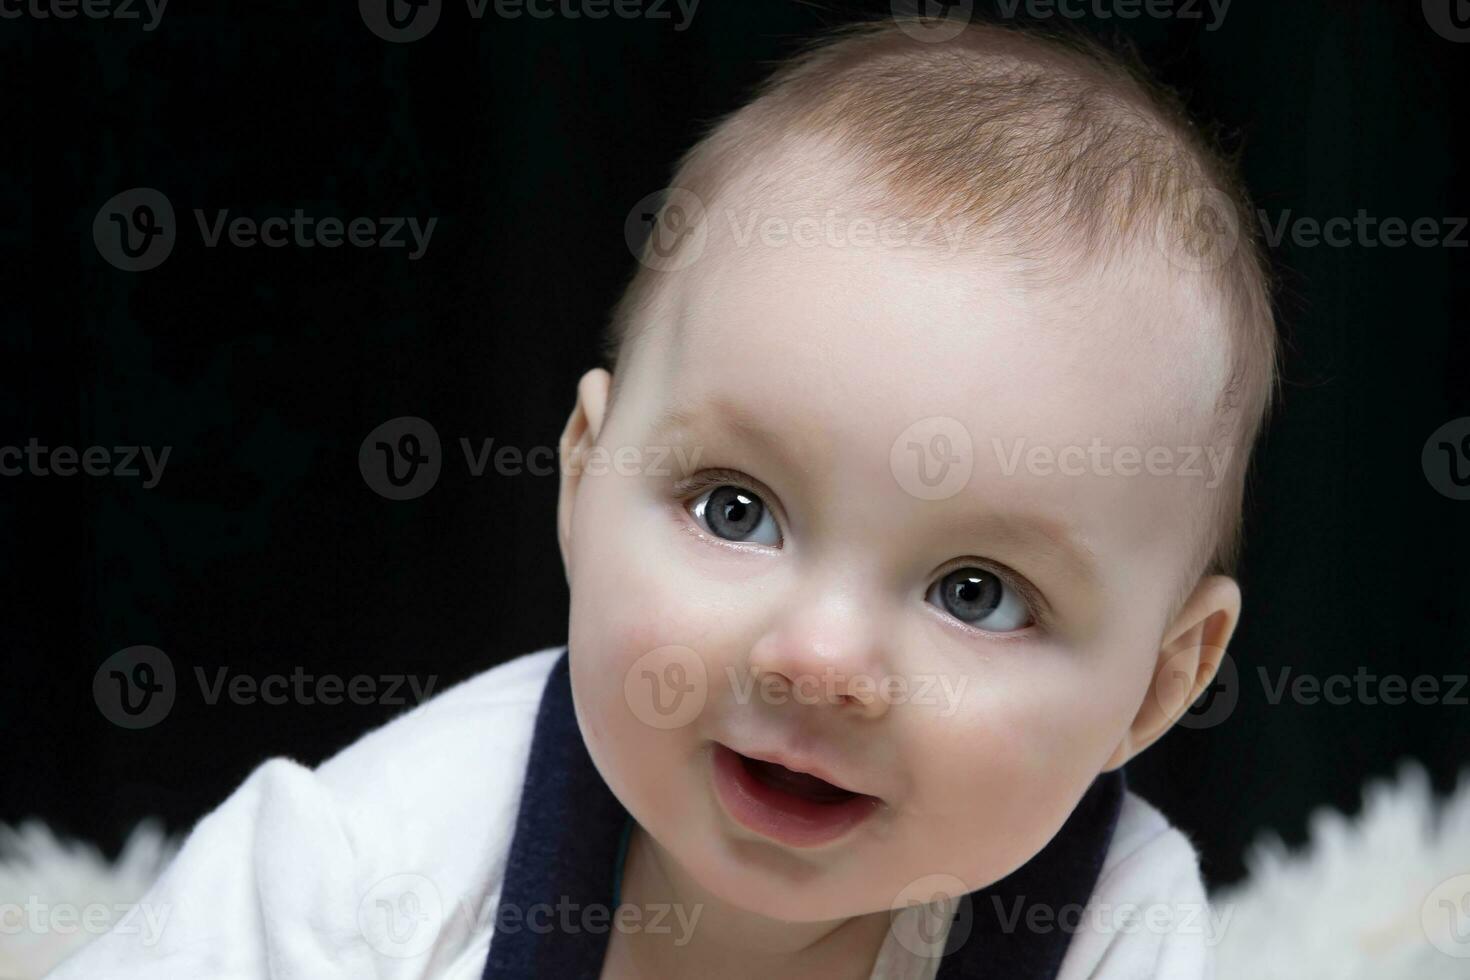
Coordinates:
[790,807]
[799,784]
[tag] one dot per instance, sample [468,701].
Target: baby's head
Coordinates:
[919,468]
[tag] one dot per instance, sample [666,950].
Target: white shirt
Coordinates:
[387,862]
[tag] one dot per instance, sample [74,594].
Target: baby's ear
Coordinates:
[579,435]
[1189,656]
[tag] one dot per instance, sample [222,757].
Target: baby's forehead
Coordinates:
[840,347]
[846,315]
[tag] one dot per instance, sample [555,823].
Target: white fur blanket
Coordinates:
[1384,895]
[56,895]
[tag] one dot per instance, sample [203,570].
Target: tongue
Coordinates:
[801,784]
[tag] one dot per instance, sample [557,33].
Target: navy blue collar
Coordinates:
[565,851]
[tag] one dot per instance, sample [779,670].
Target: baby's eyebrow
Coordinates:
[677,419]
[1038,536]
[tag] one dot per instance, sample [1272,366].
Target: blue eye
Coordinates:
[981,599]
[736,514]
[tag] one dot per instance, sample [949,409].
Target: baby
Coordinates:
[904,518]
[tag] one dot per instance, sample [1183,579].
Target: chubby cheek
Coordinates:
[626,605]
[997,778]
[641,584]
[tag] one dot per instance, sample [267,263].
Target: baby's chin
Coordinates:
[813,894]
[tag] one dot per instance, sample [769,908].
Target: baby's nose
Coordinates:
[830,655]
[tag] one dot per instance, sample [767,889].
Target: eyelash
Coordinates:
[1035,603]
[691,487]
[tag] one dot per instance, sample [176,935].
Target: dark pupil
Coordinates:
[732,512]
[971,594]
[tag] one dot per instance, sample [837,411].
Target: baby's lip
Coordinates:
[804,763]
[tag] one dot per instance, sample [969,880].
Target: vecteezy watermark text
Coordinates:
[90,9]
[136,230]
[400,916]
[301,687]
[35,459]
[308,232]
[838,230]
[403,21]
[657,918]
[402,459]
[1364,686]
[590,9]
[136,687]
[669,686]
[33,916]
[1212,12]
[832,686]
[1106,918]
[1098,459]
[1363,230]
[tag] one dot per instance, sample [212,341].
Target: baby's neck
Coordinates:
[721,940]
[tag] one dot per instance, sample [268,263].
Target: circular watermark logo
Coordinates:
[401,458]
[667,230]
[667,687]
[932,916]
[400,21]
[1214,704]
[134,688]
[932,21]
[401,915]
[1445,916]
[1200,232]
[1446,459]
[135,230]
[933,458]
[1450,19]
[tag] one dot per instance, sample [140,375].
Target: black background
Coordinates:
[263,550]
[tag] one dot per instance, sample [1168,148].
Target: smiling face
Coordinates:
[800,564]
